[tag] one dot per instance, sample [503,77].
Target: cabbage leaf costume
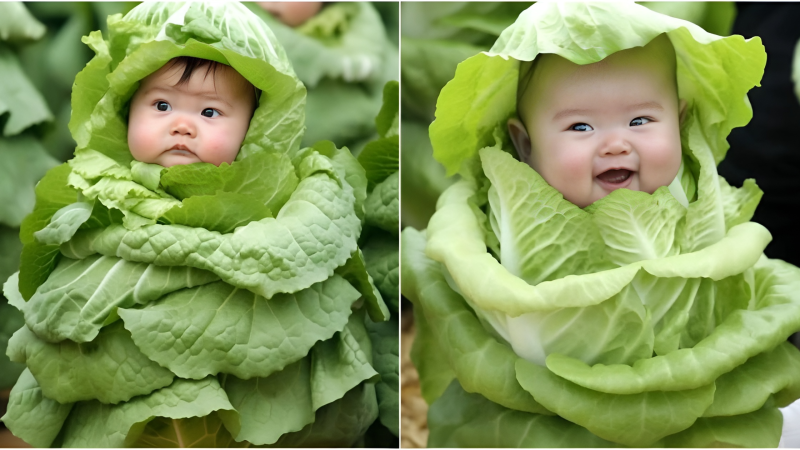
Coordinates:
[641,320]
[196,305]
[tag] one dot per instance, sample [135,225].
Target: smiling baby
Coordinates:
[591,129]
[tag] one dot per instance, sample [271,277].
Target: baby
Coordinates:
[591,129]
[182,114]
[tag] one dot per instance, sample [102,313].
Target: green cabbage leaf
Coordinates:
[199,305]
[633,318]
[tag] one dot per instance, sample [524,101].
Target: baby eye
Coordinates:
[163,106]
[209,112]
[581,127]
[639,121]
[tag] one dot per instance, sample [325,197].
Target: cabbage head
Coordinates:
[641,320]
[197,305]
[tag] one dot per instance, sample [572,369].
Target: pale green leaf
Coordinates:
[64,224]
[478,360]
[340,364]
[272,406]
[235,331]
[94,424]
[636,420]
[461,419]
[110,368]
[82,296]
[313,233]
[31,416]
[339,424]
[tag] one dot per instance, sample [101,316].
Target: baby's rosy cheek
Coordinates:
[220,148]
[574,165]
[142,140]
[668,158]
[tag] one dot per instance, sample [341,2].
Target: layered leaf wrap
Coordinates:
[196,305]
[641,320]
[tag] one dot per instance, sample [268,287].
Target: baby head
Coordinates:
[591,129]
[190,110]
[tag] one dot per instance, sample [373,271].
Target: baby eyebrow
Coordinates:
[572,112]
[646,105]
[209,95]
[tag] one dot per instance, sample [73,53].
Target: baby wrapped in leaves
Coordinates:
[201,304]
[644,319]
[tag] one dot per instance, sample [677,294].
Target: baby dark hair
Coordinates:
[190,64]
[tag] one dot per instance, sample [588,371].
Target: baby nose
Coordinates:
[183,126]
[616,145]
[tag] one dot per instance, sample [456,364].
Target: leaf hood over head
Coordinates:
[149,36]
[714,73]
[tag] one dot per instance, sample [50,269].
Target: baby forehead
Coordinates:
[657,58]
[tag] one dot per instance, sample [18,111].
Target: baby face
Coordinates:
[595,128]
[202,120]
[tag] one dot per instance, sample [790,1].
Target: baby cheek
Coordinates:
[142,140]
[574,166]
[222,147]
[664,163]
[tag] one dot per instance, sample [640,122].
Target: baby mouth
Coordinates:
[180,149]
[615,176]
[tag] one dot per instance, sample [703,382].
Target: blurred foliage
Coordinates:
[344,55]
[714,17]
[40,54]
[53,61]
[22,159]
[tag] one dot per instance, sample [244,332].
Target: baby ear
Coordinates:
[682,107]
[520,138]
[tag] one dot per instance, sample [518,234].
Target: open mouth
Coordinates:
[616,178]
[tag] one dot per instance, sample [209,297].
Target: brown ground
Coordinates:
[413,409]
